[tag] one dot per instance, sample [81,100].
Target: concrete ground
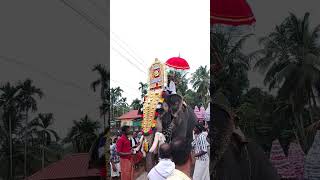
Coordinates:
[143,176]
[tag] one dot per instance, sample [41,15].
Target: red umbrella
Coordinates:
[177,63]
[231,12]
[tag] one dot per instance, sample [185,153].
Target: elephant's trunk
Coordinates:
[158,140]
[150,162]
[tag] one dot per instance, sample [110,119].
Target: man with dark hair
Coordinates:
[124,150]
[200,146]
[165,166]
[181,156]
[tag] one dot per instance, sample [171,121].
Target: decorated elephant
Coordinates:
[176,119]
[232,156]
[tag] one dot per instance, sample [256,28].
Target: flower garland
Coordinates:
[150,114]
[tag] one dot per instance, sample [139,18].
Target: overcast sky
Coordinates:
[58,48]
[150,29]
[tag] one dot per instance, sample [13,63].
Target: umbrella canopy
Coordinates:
[296,158]
[280,161]
[231,12]
[178,63]
[312,163]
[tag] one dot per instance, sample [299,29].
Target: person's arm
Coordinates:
[201,153]
[203,146]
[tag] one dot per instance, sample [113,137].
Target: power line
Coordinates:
[43,73]
[86,17]
[136,89]
[143,65]
[92,2]
[144,72]
[141,62]
[99,27]
[117,36]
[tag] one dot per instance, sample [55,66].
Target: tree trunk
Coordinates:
[310,107]
[313,98]
[10,139]
[42,159]
[299,124]
[25,146]
[104,120]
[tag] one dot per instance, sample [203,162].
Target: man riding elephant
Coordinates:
[232,156]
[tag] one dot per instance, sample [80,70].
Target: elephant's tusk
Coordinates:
[155,143]
[141,139]
[140,143]
[162,139]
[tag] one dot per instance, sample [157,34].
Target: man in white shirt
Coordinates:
[134,141]
[200,146]
[171,86]
[165,166]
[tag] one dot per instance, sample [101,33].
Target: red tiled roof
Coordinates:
[133,114]
[72,166]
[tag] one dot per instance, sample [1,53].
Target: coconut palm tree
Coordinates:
[41,126]
[135,105]
[232,78]
[11,117]
[121,106]
[28,102]
[103,82]
[82,134]
[290,61]
[143,88]
[115,97]
[201,82]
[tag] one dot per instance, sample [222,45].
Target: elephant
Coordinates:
[176,119]
[232,156]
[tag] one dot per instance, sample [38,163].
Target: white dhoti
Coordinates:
[201,170]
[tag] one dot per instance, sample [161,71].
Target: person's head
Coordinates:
[181,151]
[125,130]
[198,129]
[165,151]
[134,135]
